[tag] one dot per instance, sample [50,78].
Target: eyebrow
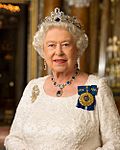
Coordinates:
[68,40]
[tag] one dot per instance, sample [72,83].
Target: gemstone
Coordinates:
[57,19]
[61,86]
[55,83]
[86,98]
[68,82]
[59,93]
[73,78]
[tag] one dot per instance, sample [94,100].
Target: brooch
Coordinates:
[86,99]
[35,93]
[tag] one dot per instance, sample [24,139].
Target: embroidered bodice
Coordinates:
[55,123]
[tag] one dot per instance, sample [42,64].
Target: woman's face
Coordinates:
[60,50]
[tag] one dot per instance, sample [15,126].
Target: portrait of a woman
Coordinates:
[67,109]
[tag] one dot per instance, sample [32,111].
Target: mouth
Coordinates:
[60,61]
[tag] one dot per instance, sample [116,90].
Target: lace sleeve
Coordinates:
[109,118]
[15,141]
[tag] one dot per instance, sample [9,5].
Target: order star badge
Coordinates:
[35,93]
[87,99]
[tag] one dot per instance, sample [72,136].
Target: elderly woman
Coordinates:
[68,109]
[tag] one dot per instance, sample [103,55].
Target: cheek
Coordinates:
[47,53]
[73,54]
[48,58]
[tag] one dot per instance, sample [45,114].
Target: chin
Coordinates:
[59,69]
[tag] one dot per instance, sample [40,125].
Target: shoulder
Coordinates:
[91,79]
[99,81]
[33,85]
[34,82]
[102,84]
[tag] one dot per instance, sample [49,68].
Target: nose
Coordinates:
[59,50]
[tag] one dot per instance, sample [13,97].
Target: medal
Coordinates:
[86,99]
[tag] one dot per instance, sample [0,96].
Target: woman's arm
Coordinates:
[109,118]
[15,139]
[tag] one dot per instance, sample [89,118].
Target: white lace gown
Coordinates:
[55,123]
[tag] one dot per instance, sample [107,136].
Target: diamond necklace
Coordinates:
[61,86]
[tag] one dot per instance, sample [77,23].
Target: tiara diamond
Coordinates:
[59,16]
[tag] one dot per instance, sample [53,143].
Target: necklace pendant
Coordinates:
[59,93]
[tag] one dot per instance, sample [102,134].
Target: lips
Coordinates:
[60,61]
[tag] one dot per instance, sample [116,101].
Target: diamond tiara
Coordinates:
[59,16]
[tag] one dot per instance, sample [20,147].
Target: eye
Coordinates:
[51,45]
[66,44]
